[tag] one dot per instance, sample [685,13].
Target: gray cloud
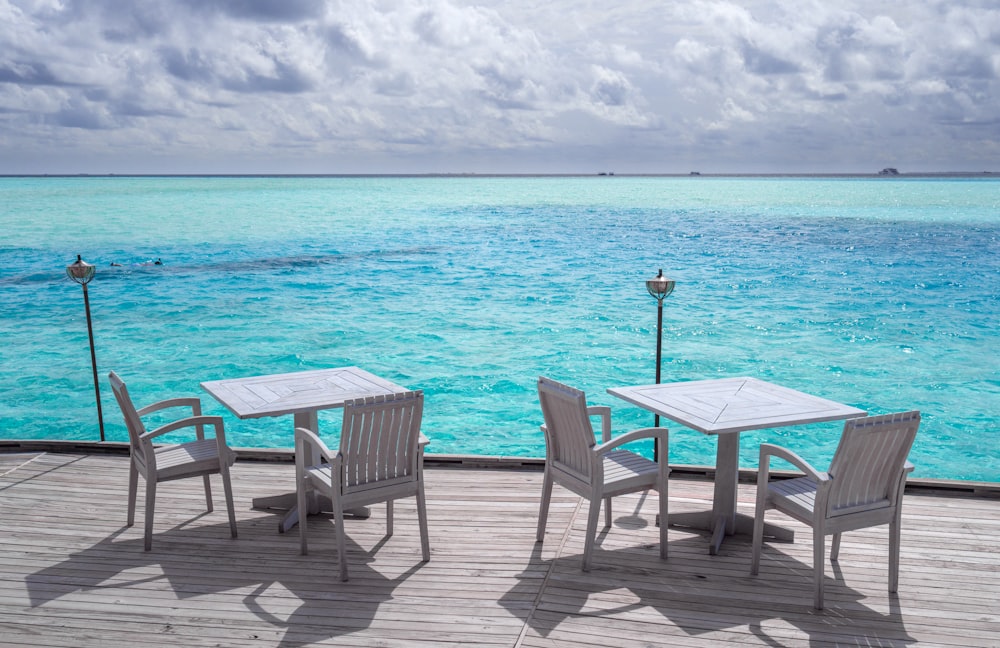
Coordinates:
[82,115]
[28,73]
[262,10]
[283,78]
[187,66]
[452,85]
[760,61]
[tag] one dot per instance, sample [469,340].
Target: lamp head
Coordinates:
[659,286]
[80,271]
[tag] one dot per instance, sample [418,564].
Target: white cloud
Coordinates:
[455,85]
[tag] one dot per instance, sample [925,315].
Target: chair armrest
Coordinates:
[305,437]
[635,435]
[191,421]
[768,450]
[605,413]
[908,467]
[423,441]
[193,403]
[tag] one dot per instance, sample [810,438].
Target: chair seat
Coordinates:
[797,497]
[625,471]
[322,473]
[371,493]
[187,459]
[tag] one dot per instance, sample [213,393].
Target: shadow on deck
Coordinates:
[73,575]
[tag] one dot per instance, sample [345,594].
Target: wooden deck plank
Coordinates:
[72,575]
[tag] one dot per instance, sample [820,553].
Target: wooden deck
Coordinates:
[72,575]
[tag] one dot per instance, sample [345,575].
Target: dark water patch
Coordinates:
[241,266]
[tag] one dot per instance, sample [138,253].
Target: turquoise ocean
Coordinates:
[883,293]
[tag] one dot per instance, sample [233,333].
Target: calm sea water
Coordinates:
[881,293]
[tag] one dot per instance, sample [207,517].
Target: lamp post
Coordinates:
[659,287]
[82,272]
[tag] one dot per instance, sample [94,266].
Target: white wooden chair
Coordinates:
[862,488]
[201,457]
[380,460]
[595,471]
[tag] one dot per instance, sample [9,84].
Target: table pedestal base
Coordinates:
[287,502]
[717,524]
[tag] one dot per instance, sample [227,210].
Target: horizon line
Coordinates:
[885,173]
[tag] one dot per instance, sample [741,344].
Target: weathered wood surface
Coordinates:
[733,405]
[72,575]
[297,392]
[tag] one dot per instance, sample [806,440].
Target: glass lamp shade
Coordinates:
[80,271]
[659,286]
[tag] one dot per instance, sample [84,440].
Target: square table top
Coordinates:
[300,391]
[726,405]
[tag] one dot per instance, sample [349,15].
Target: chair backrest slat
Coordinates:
[869,461]
[568,430]
[379,440]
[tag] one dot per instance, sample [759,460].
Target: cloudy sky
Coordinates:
[498,86]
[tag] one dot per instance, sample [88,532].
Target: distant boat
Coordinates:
[695,173]
[888,171]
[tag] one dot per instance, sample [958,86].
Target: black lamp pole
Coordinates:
[82,272]
[659,287]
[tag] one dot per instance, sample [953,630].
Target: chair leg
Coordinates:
[894,554]
[543,509]
[133,485]
[663,519]
[301,485]
[388,518]
[150,505]
[835,548]
[592,517]
[338,516]
[758,534]
[819,547]
[227,486]
[425,543]
[208,493]
[607,512]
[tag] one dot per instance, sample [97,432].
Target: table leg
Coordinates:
[727,474]
[310,421]
[287,501]
[723,519]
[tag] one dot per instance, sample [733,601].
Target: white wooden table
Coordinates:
[302,394]
[725,407]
